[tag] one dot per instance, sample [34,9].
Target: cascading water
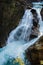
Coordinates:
[24,28]
[18,40]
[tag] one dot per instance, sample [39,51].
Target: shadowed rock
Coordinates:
[35,27]
[41,13]
[10,14]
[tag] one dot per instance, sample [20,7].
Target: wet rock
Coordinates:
[41,13]
[35,18]
[34,12]
[35,27]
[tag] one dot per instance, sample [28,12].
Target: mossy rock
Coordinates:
[16,61]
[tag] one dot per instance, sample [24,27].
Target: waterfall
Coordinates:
[18,40]
[23,30]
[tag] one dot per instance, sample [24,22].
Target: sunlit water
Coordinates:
[18,40]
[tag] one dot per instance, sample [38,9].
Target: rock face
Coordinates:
[35,27]
[41,13]
[34,53]
[10,14]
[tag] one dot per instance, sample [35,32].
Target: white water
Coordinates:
[18,40]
